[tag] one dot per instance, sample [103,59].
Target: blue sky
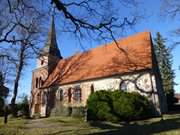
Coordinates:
[153,23]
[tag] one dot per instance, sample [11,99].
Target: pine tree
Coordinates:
[164,59]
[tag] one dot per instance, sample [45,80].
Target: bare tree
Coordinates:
[96,19]
[24,51]
[171,9]
[83,18]
[19,35]
[16,14]
[22,24]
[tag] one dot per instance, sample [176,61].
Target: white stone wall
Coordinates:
[143,82]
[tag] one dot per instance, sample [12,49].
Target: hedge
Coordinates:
[117,106]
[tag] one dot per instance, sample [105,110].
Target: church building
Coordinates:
[128,65]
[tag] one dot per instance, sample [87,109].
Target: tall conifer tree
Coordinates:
[164,59]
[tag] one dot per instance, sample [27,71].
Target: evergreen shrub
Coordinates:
[117,106]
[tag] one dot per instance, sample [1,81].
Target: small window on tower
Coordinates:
[36,82]
[42,62]
[40,82]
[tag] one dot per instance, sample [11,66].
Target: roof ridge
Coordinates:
[100,63]
[108,44]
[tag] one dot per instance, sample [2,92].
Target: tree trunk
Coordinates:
[5,114]
[16,82]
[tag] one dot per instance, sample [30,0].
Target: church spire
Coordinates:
[51,47]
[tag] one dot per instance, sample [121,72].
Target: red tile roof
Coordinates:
[132,54]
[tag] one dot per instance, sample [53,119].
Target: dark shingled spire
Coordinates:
[51,46]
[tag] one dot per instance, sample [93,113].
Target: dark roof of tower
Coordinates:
[51,46]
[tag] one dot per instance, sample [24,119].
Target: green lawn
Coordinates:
[72,126]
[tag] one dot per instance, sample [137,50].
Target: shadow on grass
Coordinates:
[137,129]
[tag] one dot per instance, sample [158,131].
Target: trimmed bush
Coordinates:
[131,106]
[116,106]
[99,105]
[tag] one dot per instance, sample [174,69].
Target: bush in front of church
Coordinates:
[117,106]
[131,106]
[100,106]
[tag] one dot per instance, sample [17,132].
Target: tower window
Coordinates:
[37,82]
[40,82]
[42,62]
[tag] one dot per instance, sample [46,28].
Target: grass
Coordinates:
[170,125]
[14,126]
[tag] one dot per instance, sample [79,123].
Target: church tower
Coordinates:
[46,61]
[50,54]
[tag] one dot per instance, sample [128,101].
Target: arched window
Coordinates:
[77,93]
[69,95]
[92,88]
[37,82]
[40,81]
[123,85]
[42,62]
[61,95]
